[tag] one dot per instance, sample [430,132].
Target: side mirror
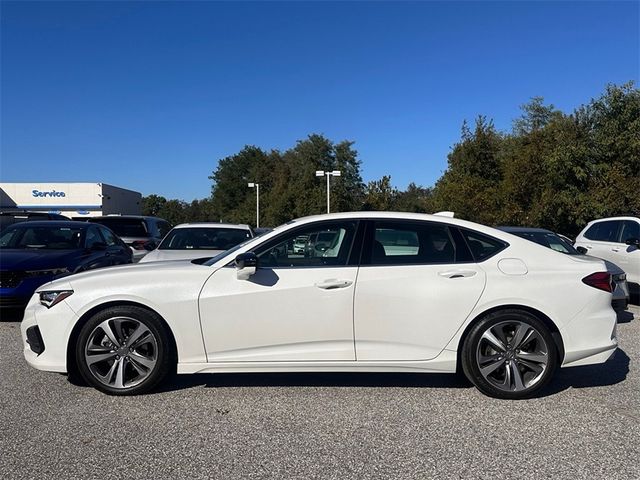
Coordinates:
[633,241]
[582,250]
[246,265]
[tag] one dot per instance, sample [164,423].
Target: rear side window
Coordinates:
[603,231]
[482,246]
[407,243]
[630,229]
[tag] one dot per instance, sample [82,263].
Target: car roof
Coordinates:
[510,229]
[213,225]
[135,217]
[606,219]
[50,223]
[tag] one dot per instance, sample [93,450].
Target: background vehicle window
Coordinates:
[93,237]
[41,238]
[630,229]
[482,246]
[322,245]
[201,238]
[603,231]
[109,237]
[163,228]
[411,243]
[125,227]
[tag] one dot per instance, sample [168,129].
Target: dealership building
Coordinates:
[70,199]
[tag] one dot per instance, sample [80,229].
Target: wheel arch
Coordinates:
[553,328]
[72,368]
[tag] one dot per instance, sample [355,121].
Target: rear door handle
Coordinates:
[615,249]
[333,284]
[457,273]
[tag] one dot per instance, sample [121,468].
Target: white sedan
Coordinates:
[395,292]
[189,241]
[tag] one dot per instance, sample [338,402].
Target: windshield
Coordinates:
[549,240]
[41,238]
[201,238]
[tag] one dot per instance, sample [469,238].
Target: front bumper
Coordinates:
[54,327]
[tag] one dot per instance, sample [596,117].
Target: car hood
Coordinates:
[135,273]
[158,255]
[31,259]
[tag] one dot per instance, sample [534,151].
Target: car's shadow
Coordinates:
[625,316]
[613,371]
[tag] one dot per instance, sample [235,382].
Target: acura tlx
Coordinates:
[371,292]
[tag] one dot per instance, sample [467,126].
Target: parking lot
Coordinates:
[585,425]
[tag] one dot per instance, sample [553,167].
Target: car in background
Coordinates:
[34,253]
[300,244]
[9,217]
[616,239]
[505,310]
[141,233]
[261,231]
[552,240]
[189,241]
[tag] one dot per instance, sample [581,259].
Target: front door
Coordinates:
[297,307]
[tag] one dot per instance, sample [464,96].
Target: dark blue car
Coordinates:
[34,253]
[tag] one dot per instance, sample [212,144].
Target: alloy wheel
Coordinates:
[121,352]
[512,356]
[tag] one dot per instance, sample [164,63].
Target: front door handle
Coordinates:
[457,273]
[616,249]
[333,284]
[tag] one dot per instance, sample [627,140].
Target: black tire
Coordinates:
[143,365]
[509,372]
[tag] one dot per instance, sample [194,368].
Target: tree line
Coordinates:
[552,169]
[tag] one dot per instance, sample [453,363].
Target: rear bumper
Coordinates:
[591,337]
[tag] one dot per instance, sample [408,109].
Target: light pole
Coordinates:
[257,187]
[322,173]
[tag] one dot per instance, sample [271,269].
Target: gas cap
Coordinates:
[512,266]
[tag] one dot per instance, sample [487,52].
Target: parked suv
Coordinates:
[141,233]
[616,239]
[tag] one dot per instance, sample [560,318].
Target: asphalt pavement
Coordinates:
[586,424]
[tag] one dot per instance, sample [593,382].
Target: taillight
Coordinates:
[599,280]
[139,244]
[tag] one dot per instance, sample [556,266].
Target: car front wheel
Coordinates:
[509,354]
[124,350]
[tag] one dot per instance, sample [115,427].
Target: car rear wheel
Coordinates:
[124,350]
[509,354]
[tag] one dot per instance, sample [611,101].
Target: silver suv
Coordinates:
[141,233]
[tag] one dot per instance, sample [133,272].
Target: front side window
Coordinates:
[408,243]
[109,237]
[327,244]
[603,231]
[93,237]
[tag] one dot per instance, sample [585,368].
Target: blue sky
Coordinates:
[151,95]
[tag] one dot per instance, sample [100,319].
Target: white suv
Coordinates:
[616,239]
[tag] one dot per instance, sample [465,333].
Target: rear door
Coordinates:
[601,240]
[416,286]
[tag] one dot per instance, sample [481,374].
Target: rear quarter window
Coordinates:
[482,246]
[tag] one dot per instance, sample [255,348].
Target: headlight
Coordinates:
[49,299]
[50,271]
